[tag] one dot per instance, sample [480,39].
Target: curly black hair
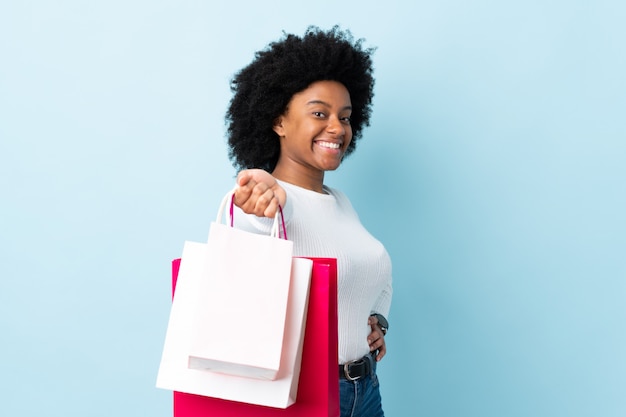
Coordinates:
[263,89]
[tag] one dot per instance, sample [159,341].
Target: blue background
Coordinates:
[493,171]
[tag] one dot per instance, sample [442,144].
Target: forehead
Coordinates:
[332,93]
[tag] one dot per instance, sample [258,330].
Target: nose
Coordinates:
[335,126]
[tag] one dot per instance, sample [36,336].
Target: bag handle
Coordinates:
[279,218]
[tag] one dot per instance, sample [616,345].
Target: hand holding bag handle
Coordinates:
[279,218]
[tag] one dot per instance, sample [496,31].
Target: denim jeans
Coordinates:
[361,398]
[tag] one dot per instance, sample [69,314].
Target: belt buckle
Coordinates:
[346,370]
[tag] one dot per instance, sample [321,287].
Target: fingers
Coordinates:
[258,193]
[280,194]
[256,198]
[382,351]
[268,204]
[376,341]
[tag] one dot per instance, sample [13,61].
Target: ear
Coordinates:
[278,126]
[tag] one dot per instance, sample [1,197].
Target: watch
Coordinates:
[382,322]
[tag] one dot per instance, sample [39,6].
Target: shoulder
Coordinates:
[338,194]
[340,197]
[312,200]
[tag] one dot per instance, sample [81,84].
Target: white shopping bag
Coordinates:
[238,353]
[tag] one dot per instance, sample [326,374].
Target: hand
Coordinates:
[376,339]
[259,193]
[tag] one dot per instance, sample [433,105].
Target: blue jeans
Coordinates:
[361,398]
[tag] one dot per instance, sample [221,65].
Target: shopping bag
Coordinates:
[188,317]
[318,389]
[245,285]
[174,373]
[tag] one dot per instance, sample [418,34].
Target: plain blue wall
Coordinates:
[493,171]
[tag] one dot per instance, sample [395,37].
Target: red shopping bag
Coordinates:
[318,389]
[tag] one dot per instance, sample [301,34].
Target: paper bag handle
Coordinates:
[279,218]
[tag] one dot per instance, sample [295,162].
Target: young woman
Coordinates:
[297,110]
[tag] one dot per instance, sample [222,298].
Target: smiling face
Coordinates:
[314,134]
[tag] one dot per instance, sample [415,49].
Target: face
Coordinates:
[315,130]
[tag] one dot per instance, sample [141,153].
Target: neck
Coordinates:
[313,181]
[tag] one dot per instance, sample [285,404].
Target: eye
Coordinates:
[346,119]
[319,114]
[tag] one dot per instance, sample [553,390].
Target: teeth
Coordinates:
[328,145]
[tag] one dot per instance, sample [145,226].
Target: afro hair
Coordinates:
[263,89]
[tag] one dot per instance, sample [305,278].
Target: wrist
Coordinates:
[382,322]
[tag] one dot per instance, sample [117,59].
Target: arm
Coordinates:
[259,193]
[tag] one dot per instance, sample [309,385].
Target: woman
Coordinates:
[297,110]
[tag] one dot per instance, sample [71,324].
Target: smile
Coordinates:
[329,145]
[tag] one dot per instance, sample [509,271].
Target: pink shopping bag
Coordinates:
[318,389]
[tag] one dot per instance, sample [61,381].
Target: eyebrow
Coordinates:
[326,104]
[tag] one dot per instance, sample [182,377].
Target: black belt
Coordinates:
[356,369]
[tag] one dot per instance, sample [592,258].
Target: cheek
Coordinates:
[348,136]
